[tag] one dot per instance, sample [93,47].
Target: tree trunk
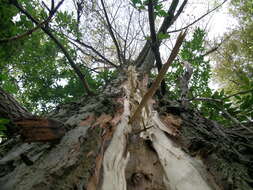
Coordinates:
[165,148]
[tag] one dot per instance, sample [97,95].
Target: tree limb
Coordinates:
[154,44]
[93,57]
[198,19]
[58,43]
[184,83]
[242,92]
[167,22]
[149,94]
[111,32]
[95,51]
[127,33]
[225,112]
[29,32]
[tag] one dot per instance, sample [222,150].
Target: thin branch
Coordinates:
[20,36]
[205,99]
[93,57]
[225,111]
[58,43]
[111,32]
[149,94]
[217,47]
[95,51]
[210,51]
[238,93]
[44,4]
[52,5]
[198,19]
[235,120]
[127,33]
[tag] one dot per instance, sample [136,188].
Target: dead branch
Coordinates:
[149,94]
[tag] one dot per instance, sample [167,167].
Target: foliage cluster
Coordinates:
[33,69]
[234,63]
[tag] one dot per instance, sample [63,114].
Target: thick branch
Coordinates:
[167,22]
[10,108]
[154,44]
[58,43]
[159,78]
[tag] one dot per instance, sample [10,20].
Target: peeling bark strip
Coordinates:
[40,129]
[10,108]
[124,165]
[116,158]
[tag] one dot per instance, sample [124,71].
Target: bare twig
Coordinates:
[127,33]
[159,77]
[210,51]
[198,19]
[95,51]
[44,4]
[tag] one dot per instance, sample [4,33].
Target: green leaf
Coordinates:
[162,36]
[161,13]
[2,128]
[4,121]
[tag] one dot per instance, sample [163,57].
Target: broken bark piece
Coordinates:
[40,129]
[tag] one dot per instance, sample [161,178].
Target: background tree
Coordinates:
[233,69]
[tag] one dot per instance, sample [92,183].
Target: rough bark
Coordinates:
[10,108]
[166,148]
